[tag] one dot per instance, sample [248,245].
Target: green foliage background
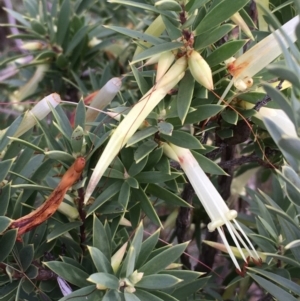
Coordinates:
[142,184]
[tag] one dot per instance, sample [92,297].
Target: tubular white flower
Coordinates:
[239,21]
[133,120]
[262,54]
[155,29]
[39,111]
[30,87]
[103,97]
[212,202]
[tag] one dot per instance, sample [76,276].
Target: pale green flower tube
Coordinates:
[238,20]
[30,87]
[134,119]
[103,98]
[39,111]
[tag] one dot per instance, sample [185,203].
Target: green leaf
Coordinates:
[63,121]
[77,38]
[100,261]
[210,37]
[4,223]
[185,95]
[281,100]
[136,35]
[80,114]
[112,295]
[282,281]
[292,190]
[162,260]
[138,5]
[100,239]
[7,292]
[138,240]
[166,195]
[203,112]
[222,11]
[106,195]
[136,168]
[26,256]
[4,139]
[183,139]
[146,206]
[146,296]
[29,144]
[4,199]
[5,167]
[224,52]
[17,16]
[290,145]
[277,132]
[163,47]
[77,140]
[90,291]
[108,280]
[273,289]
[165,128]
[7,242]
[168,5]
[124,195]
[144,150]
[286,73]
[83,5]
[130,261]
[60,156]
[140,80]
[140,135]
[187,290]
[158,281]
[61,229]
[230,116]
[208,165]
[63,22]
[131,297]
[155,176]
[147,247]
[68,272]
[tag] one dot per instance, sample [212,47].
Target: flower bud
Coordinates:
[116,259]
[135,277]
[30,87]
[239,21]
[164,62]
[33,45]
[200,70]
[243,84]
[170,5]
[170,79]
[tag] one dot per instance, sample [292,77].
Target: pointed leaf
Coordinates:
[162,260]
[68,272]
